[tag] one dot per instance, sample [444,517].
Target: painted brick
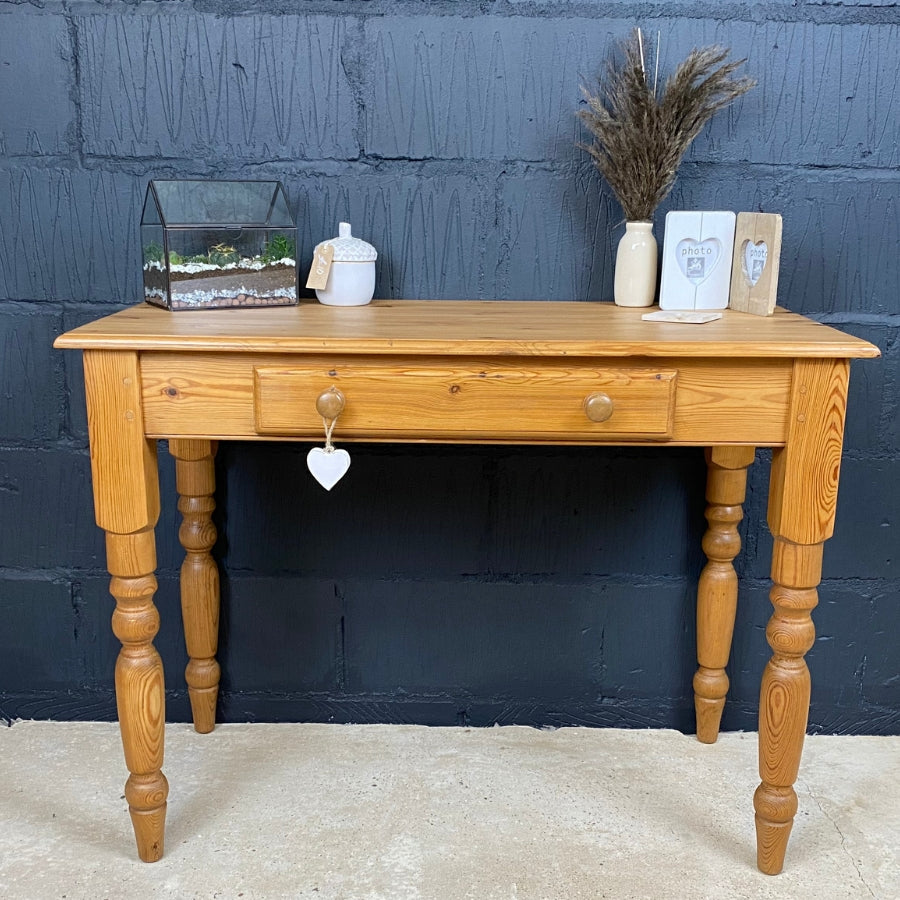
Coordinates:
[876,642]
[871,396]
[435,234]
[438,237]
[864,544]
[70,234]
[566,512]
[73,366]
[479,640]
[472,584]
[59,634]
[169,552]
[48,512]
[578,511]
[559,233]
[281,635]
[846,636]
[396,511]
[755,560]
[244,87]
[644,616]
[851,660]
[839,237]
[31,397]
[860,3]
[36,62]
[891,412]
[491,87]
[37,646]
[558,237]
[508,87]
[749,650]
[820,96]
[98,647]
[756,539]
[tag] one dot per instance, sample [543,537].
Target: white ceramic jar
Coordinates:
[351,280]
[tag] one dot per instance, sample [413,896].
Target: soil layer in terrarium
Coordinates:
[274,285]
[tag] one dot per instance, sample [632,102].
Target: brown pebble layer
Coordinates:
[239,300]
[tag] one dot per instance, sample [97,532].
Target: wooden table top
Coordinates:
[464,327]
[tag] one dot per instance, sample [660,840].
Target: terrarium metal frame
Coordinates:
[221,276]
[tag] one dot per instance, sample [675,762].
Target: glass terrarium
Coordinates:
[214,244]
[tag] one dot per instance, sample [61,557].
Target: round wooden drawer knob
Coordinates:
[598,407]
[330,403]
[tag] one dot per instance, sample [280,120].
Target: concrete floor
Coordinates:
[403,812]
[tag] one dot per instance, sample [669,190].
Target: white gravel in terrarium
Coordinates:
[241,281]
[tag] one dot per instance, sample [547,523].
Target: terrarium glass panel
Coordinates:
[213,244]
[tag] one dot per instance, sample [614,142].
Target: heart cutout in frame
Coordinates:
[697,259]
[328,467]
[753,260]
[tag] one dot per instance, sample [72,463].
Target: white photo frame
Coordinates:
[697,254]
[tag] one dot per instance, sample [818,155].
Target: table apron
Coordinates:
[466,399]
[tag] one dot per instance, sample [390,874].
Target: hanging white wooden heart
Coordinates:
[754,260]
[328,467]
[697,259]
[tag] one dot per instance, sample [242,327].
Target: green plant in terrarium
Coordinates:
[222,255]
[279,247]
[153,252]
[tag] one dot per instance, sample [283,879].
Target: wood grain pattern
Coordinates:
[140,688]
[743,380]
[466,327]
[802,502]
[804,480]
[717,591]
[126,503]
[488,400]
[199,394]
[756,298]
[195,482]
[123,461]
[784,697]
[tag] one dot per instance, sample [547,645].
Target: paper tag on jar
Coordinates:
[321,266]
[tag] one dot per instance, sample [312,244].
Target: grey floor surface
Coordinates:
[403,812]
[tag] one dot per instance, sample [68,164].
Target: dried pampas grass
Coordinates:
[639,140]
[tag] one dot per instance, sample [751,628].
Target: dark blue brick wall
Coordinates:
[440,584]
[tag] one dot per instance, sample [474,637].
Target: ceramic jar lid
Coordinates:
[348,248]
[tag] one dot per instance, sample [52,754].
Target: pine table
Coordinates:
[466,372]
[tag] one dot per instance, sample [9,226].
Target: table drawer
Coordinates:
[549,400]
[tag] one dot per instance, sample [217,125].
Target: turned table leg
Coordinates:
[126,506]
[195,480]
[140,690]
[717,592]
[784,696]
[802,501]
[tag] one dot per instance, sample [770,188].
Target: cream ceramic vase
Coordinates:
[636,261]
[351,281]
